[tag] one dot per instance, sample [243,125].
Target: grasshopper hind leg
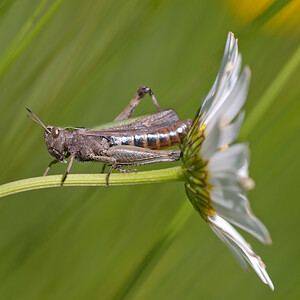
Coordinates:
[130,108]
[122,170]
[119,168]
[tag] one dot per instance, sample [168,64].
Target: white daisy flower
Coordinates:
[216,172]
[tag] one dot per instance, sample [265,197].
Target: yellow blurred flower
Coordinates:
[287,19]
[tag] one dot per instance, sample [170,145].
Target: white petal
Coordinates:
[226,180]
[211,142]
[239,247]
[230,133]
[231,159]
[235,208]
[243,170]
[236,253]
[230,54]
[238,96]
[230,106]
[225,86]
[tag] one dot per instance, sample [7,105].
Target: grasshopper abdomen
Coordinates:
[160,139]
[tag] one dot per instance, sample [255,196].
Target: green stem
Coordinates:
[154,176]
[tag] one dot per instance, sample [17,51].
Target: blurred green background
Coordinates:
[79,63]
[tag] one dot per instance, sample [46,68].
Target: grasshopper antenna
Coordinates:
[36,119]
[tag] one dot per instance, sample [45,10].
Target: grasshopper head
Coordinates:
[55,139]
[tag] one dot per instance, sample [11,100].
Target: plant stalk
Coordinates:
[155,176]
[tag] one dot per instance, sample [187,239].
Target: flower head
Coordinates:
[216,171]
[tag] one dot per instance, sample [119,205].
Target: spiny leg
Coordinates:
[126,170]
[128,111]
[105,160]
[68,170]
[108,174]
[53,162]
[103,168]
[112,160]
[114,167]
[131,155]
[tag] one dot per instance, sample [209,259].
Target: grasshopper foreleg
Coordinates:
[53,162]
[141,92]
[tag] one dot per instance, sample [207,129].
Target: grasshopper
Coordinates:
[125,142]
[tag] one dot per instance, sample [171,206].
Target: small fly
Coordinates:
[125,142]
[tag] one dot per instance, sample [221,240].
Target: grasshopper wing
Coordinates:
[145,124]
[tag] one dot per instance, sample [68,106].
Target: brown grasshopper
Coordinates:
[124,142]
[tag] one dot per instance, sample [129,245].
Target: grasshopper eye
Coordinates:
[55,132]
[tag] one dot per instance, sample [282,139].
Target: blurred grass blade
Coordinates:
[27,34]
[153,256]
[5,6]
[264,17]
[80,62]
[270,94]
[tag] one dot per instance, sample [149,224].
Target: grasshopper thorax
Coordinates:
[57,141]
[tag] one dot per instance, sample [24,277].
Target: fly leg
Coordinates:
[53,162]
[141,92]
